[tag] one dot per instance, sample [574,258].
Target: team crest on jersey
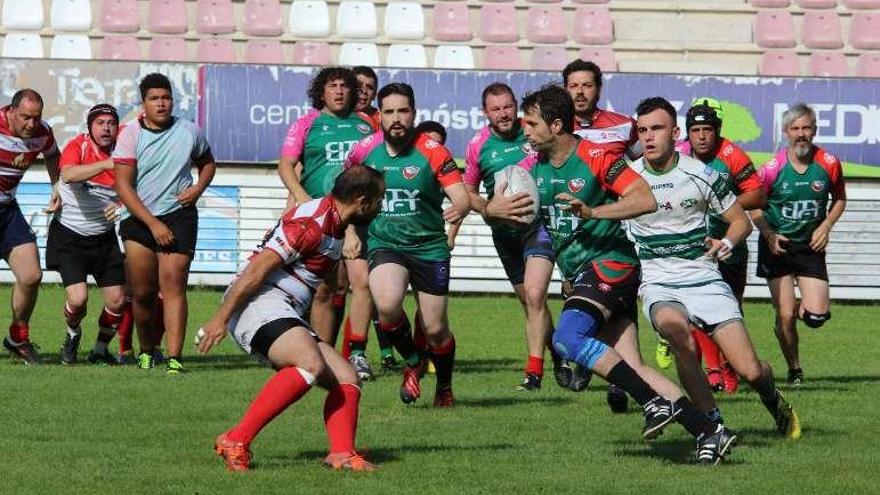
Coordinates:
[575,185]
[829,158]
[688,203]
[364,128]
[727,151]
[431,144]
[411,172]
[21,161]
[707,171]
[817,185]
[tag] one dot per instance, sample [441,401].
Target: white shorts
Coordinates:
[266,315]
[707,305]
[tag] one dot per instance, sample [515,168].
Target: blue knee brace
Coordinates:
[574,337]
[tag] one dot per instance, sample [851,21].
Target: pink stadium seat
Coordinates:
[214,17]
[774,29]
[119,16]
[817,4]
[864,30]
[167,17]
[602,56]
[868,65]
[544,1]
[770,3]
[546,24]
[549,58]
[451,22]
[779,63]
[506,57]
[862,4]
[166,49]
[120,48]
[311,53]
[821,29]
[215,51]
[262,18]
[590,1]
[828,64]
[498,23]
[259,51]
[593,26]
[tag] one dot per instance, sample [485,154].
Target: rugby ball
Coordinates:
[518,180]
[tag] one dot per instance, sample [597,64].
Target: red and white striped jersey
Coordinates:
[308,239]
[83,202]
[17,154]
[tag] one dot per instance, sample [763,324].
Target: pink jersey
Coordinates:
[295,139]
[17,154]
[615,130]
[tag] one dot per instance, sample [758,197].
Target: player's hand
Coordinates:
[577,207]
[54,202]
[189,196]
[775,241]
[720,249]
[210,335]
[452,214]
[819,239]
[450,240]
[111,212]
[351,246]
[161,233]
[511,208]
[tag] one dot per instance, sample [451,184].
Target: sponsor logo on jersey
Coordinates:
[364,128]
[817,185]
[325,127]
[785,184]
[527,148]
[806,209]
[575,185]
[540,181]
[707,170]
[343,126]
[745,173]
[400,201]
[604,287]
[595,153]
[431,144]
[410,172]
[665,185]
[667,206]
[688,203]
[615,170]
[494,154]
[448,167]
[829,157]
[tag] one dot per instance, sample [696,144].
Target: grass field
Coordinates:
[82,429]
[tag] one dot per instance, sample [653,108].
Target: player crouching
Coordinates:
[263,311]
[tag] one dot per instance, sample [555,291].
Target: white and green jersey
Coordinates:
[670,242]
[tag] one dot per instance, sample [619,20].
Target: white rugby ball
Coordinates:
[518,180]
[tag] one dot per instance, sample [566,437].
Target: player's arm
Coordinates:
[460,200]
[290,170]
[478,203]
[51,160]
[82,173]
[752,200]
[738,229]
[452,234]
[774,240]
[635,199]
[241,290]
[819,238]
[747,180]
[351,245]
[125,175]
[207,168]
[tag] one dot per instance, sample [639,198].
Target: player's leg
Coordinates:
[23,260]
[108,323]
[358,321]
[173,279]
[440,343]
[785,305]
[538,269]
[125,331]
[75,306]
[815,304]
[735,274]
[142,273]
[337,300]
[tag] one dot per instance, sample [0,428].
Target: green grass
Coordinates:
[82,429]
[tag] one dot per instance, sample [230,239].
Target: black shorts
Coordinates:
[267,334]
[430,277]
[76,256]
[735,275]
[799,260]
[612,284]
[184,223]
[515,248]
[14,229]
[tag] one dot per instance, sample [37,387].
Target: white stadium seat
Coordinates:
[411,56]
[356,20]
[358,54]
[25,15]
[22,45]
[71,15]
[76,46]
[309,19]
[404,21]
[453,57]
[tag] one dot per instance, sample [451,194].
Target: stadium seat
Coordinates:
[25,15]
[864,30]
[545,24]
[262,18]
[774,29]
[215,51]
[828,64]
[358,54]
[119,16]
[502,57]
[72,46]
[549,58]
[591,1]
[263,51]
[167,49]
[868,65]
[779,63]
[214,17]
[120,48]
[498,23]
[821,29]
[600,55]
[817,4]
[311,53]
[22,45]
[309,19]
[71,15]
[862,4]
[167,17]
[452,22]
[405,55]
[453,57]
[770,3]
[544,1]
[356,20]
[593,26]
[404,21]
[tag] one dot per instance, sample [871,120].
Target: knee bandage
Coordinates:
[814,320]
[574,337]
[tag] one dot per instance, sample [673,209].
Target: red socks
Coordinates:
[282,390]
[19,334]
[73,318]
[126,326]
[535,366]
[341,417]
[706,346]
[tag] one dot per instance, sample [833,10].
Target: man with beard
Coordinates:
[795,226]
[524,250]
[407,243]
[263,310]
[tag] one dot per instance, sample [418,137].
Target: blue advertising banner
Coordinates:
[247,109]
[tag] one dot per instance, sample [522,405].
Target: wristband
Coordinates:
[727,243]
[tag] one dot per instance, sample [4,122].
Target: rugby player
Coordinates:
[795,227]
[681,284]
[153,159]
[23,136]
[264,310]
[407,242]
[368,83]
[525,251]
[82,236]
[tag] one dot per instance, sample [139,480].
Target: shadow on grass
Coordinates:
[386,455]
[512,401]
[222,362]
[843,379]
[485,365]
